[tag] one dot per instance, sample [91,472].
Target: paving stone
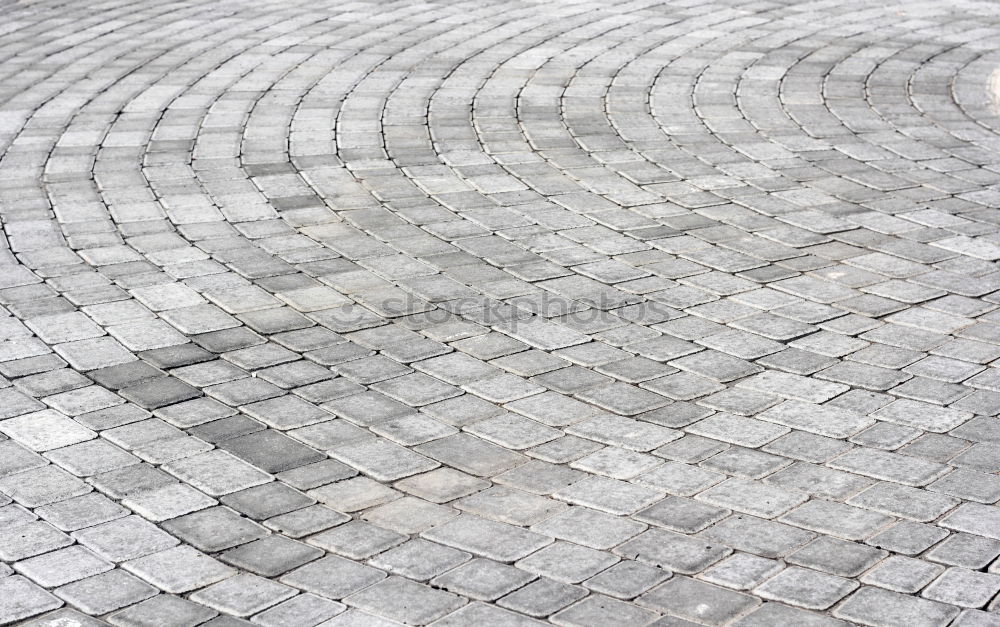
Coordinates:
[609,495]
[271,556]
[487,538]
[214,529]
[23,599]
[672,551]
[23,541]
[542,597]
[65,614]
[243,594]
[758,536]
[847,559]
[45,430]
[405,601]
[105,592]
[304,609]
[819,419]
[179,569]
[217,472]
[125,538]
[902,574]
[966,550]
[875,606]
[778,614]
[599,609]
[742,571]
[479,613]
[692,599]
[898,500]
[837,519]
[566,562]
[482,579]
[81,512]
[589,527]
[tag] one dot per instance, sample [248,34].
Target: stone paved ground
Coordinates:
[499,313]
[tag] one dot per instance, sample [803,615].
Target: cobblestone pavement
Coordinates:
[499,313]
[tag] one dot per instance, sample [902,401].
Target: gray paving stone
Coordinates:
[271,556]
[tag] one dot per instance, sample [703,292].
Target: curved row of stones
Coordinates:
[459,313]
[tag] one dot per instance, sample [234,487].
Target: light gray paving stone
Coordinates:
[217,472]
[405,601]
[487,538]
[243,594]
[898,500]
[542,597]
[480,613]
[179,569]
[692,599]
[902,574]
[672,551]
[304,609]
[777,614]
[65,614]
[741,571]
[875,606]
[966,550]
[106,592]
[599,609]
[21,599]
[62,566]
[482,579]
[819,419]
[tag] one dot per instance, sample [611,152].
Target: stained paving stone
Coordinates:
[547,355]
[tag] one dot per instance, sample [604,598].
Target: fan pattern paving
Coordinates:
[499,313]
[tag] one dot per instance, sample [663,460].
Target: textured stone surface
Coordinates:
[499,313]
